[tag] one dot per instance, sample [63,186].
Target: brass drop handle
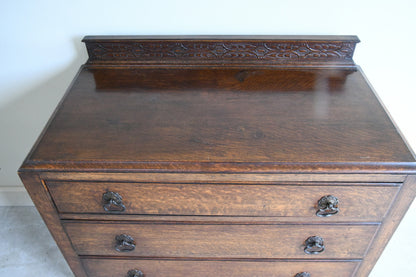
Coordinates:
[327,206]
[134,273]
[125,243]
[113,202]
[314,245]
[303,274]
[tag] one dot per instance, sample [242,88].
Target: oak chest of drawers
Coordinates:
[220,156]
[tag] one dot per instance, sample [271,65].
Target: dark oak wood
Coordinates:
[209,177]
[389,225]
[212,153]
[219,50]
[169,268]
[221,241]
[40,197]
[223,124]
[367,202]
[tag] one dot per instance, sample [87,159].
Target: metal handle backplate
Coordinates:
[125,243]
[303,274]
[134,273]
[314,245]
[327,206]
[113,202]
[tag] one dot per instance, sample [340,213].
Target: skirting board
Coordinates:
[14,196]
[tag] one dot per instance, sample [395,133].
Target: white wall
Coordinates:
[40,51]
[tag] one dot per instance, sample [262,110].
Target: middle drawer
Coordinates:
[218,240]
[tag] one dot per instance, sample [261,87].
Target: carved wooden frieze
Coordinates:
[220,51]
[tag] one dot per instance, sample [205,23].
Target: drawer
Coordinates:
[170,268]
[356,202]
[219,240]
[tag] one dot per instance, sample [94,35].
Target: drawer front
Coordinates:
[357,202]
[220,241]
[169,268]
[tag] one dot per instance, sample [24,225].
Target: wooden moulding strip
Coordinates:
[217,178]
[282,50]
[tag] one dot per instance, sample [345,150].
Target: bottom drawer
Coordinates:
[172,268]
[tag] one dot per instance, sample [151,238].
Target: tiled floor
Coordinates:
[26,247]
[28,250]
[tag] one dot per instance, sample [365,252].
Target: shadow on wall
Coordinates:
[23,119]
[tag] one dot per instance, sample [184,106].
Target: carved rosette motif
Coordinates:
[274,52]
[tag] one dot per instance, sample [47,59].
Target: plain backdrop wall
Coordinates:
[41,50]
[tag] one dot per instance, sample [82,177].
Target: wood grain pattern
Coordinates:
[161,116]
[363,203]
[167,268]
[221,148]
[233,178]
[220,241]
[283,50]
[178,219]
[404,200]
[44,205]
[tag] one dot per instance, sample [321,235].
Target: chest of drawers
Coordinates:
[220,156]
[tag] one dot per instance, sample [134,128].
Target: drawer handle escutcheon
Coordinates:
[135,273]
[303,274]
[314,245]
[113,202]
[125,243]
[328,205]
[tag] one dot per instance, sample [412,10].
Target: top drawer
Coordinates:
[356,202]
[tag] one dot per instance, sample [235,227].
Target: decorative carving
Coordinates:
[135,273]
[113,202]
[125,243]
[314,245]
[328,205]
[217,51]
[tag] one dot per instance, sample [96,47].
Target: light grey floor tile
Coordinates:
[27,248]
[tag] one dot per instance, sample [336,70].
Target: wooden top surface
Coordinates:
[220,119]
